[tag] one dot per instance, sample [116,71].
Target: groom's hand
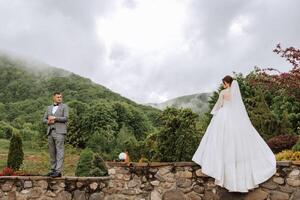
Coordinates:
[51,120]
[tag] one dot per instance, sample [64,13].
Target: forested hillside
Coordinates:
[97,114]
[108,123]
[197,102]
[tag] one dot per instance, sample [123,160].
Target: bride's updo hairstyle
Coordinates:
[227,79]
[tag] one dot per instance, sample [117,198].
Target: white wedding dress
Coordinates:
[231,150]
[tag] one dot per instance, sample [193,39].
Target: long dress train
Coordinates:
[231,150]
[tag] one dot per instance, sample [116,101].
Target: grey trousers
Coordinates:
[56,150]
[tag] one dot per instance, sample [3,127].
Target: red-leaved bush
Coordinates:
[282,142]
[274,80]
[8,172]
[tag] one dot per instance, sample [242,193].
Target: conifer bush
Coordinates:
[85,163]
[15,155]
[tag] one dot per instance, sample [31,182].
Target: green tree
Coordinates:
[262,118]
[103,142]
[124,138]
[285,124]
[6,130]
[178,138]
[85,163]
[287,109]
[75,137]
[126,141]
[98,166]
[149,149]
[90,164]
[15,155]
[133,118]
[99,116]
[3,114]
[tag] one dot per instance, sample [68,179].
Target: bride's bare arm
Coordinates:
[219,103]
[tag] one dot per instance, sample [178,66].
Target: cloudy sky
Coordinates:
[151,50]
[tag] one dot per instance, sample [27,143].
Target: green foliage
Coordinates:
[281,92]
[28,135]
[95,111]
[126,140]
[178,138]
[103,142]
[102,124]
[74,136]
[3,114]
[285,124]
[296,147]
[15,154]
[90,164]
[5,130]
[98,166]
[288,110]
[132,118]
[149,149]
[262,118]
[85,163]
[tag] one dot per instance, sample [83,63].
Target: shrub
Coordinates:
[296,147]
[288,155]
[8,172]
[282,142]
[28,135]
[5,130]
[143,160]
[101,141]
[126,141]
[15,154]
[85,163]
[98,166]
[90,164]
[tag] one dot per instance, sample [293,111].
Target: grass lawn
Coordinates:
[36,159]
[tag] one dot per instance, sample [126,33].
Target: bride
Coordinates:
[232,151]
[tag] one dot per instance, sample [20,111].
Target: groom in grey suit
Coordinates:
[56,117]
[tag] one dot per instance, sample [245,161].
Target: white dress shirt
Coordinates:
[54,109]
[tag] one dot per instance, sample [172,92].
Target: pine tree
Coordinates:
[15,155]
[286,125]
[84,165]
[98,166]
[262,118]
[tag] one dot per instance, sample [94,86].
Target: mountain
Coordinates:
[197,102]
[34,80]
[26,88]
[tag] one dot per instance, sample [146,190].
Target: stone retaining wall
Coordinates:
[143,181]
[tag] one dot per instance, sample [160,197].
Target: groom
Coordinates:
[56,117]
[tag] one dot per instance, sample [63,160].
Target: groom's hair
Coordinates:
[56,93]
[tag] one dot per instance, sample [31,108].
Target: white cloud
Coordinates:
[239,25]
[149,26]
[151,50]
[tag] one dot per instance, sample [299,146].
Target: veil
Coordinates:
[237,105]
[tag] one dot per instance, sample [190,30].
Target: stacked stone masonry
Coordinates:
[149,181]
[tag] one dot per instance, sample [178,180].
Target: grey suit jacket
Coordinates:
[61,118]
